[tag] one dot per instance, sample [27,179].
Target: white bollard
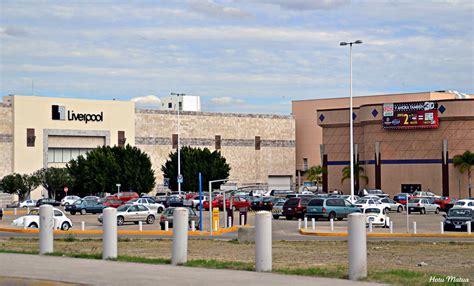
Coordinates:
[391,226]
[140,226]
[27,210]
[414,227]
[24,223]
[370,226]
[193,225]
[242,220]
[441,224]
[46,226]
[357,246]
[332,224]
[83,225]
[263,241]
[109,239]
[180,236]
[469,226]
[14,211]
[299,224]
[166,225]
[229,222]
[305,222]
[313,223]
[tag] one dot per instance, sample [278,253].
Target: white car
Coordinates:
[69,200]
[372,202]
[420,194]
[28,204]
[194,202]
[133,213]
[350,198]
[464,204]
[376,215]
[394,206]
[31,220]
[149,203]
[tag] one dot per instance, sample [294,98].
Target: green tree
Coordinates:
[21,185]
[54,180]
[314,174]
[106,166]
[194,160]
[464,162]
[358,174]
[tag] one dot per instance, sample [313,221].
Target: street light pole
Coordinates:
[179,145]
[351,119]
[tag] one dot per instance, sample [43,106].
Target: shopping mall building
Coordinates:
[404,142]
[39,132]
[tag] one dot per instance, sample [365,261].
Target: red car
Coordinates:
[443,202]
[113,203]
[237,203]
[124,196]
[215,203]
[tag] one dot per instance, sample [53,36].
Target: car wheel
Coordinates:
[289,217]
[409,212]
[422,211]
[33,225]
[332,215]
[150,219]
[66,204]
[276,216]
[234,208]
[162,226]
[399,209]
[386,210]
[437,211]
[120,220]
[83,212]
[340,218]
[65,226]
[135,222]
[73,213]
[160,210]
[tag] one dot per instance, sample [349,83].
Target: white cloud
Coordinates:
[303,5]
[147,101]
[209,8]
[226,100]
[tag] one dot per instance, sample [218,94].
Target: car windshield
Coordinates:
[34,212]
[78,202]
[168,211]
[459,203]
[460,212]
[123,208]
[132,201]
[372,211]
[361,202]
[292,202]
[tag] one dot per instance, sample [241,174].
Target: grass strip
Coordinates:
[406,277]
[215,264]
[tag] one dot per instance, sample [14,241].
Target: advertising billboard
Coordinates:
[410,115]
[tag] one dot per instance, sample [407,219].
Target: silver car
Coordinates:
[423,206]
[394,206]
[133,213]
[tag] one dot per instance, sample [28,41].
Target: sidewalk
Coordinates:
[99,272]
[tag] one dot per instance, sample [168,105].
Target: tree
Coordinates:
[21,185]
[465,162]
[106,166]
[358,174]
[194,160]
[54,180]
[315,174]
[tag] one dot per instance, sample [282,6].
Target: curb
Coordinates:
[344,234]
[20,212]
[124,232]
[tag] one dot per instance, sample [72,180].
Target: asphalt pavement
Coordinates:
[100,272]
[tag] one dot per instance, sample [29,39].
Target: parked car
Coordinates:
[422,205]
[350,198]
[149,203]
[458,219]
[84,207]
[125,196]
[262,204]
[278,209]
[295,207]
[13,205]
[91,198]
[237,203]
[31,220]
[133,213]
[377,216]
[445,203]
[52,202]
[402,198]
[279,193]
[372,202]
[394,206]
[193,202]
[422,194]
[111,203]
[28,204]
[167,215]
[377,192]
[330,208]
[466,203]
[67,200]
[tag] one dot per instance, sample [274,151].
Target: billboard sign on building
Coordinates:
[410,115]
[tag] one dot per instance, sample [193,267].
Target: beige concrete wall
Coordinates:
[6,140]
[35,112]
[154,131]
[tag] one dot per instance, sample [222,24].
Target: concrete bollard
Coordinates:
[469,226]
[180,236]
[263,241]
[414,227]
[370,226]
[229,223]
[193,225]
[332,224]
[24,223]
[242,220]
[46,226]
[166,225]
[27,210]
[140,226]
[109,236]
[441,225]
[14,211]
[299,224]
[305,222]
[357,246]
[391,226]
[83,225]
[216,226]
[313,223]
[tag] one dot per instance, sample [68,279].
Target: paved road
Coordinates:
[99,272]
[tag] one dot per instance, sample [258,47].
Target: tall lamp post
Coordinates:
[180,178]
[351,113]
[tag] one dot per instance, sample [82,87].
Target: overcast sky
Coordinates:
[238,55]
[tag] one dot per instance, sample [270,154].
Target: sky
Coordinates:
[252,56]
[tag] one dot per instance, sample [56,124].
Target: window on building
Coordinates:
[175,141]
[64,155]
[30,137]
[257,142]
[218,142]
[305,164]
[170,105]
[180,104]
